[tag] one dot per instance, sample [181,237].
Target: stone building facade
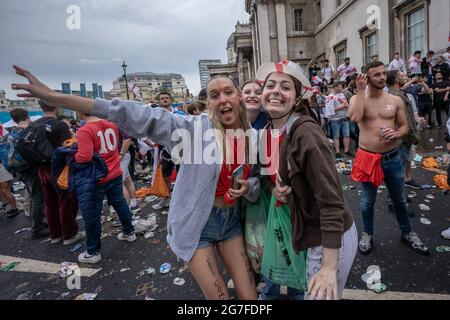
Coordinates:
[306,30]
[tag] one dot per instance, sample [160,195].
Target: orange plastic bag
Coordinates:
[63,179]
[430,163]
[441,181]
[158,189]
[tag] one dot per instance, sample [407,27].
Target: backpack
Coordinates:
[4,150]
[34,145]
[11,159]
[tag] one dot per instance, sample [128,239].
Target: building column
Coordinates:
[255,47]
[241,68]
[281,30]
[264,35]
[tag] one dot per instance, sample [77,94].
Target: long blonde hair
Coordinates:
[244,124]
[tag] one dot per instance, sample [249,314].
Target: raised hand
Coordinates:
[35,88]
[361,82]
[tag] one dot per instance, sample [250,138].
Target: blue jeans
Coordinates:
[271,291]
[340,128]
[114,192]
[395,181]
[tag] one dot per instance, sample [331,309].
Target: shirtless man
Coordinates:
[382,121]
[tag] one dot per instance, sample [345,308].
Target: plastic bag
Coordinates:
[430,163]
[280,263]
[255,229]
[442,182]
[63,179]
[159,186]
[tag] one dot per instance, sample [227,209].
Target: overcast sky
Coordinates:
[150,35]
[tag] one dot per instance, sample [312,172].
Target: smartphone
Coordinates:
[237,174]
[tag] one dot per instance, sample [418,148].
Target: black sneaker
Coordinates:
[40,233]
[413,241]
[413,185]
[338,156]
[12,213]
[349,154]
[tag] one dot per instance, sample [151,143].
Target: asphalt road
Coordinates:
[403,270]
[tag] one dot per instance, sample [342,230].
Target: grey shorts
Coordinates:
[4,174]
[347,253]
[124,165]
[222,225]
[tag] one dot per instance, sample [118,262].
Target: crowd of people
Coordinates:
[309,238]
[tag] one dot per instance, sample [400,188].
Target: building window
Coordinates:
[340,55]
[338,3]
[415,31]
[298,19]
[371,46]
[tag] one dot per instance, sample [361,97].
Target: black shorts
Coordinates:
[425,108]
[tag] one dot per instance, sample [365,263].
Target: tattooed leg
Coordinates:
[235,259]
[205,271]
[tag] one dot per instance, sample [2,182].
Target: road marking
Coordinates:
[390,295]
[36,266]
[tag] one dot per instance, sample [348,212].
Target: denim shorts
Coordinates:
[338,126]
[222,225]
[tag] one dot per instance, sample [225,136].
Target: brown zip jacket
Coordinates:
[319,212]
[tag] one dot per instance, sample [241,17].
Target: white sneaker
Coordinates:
[129,238]
[56,240]
[79,236]
[162,204]
[446,234]
[86,258]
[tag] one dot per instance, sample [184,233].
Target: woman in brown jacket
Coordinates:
[308,182]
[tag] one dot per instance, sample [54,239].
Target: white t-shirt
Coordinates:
[333,101]
[346,71]
[397,65]
[414,66]
[447,58]
[328,73]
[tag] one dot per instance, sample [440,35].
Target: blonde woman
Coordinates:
[204,211]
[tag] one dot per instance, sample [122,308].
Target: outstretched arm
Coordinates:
[133,117]
[39,90]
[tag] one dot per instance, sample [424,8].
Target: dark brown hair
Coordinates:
[19,114]
[302,106]
[45,107]
[373,65]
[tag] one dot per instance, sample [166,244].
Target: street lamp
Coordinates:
[124,67]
